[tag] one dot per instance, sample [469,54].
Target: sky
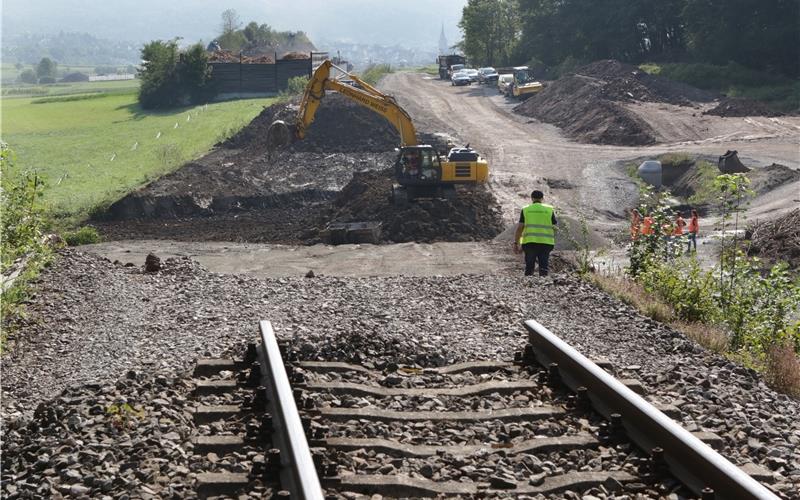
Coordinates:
[410,23]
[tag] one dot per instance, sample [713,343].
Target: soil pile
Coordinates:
[778,239]
[237,193]
[340,126]
[473,215]
[730,106]
[589,104]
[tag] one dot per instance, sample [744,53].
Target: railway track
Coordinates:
[549,424]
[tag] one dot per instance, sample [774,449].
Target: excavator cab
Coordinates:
[420,171]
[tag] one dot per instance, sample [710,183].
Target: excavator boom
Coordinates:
[368,96]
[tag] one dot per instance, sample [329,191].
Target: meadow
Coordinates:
[94,144]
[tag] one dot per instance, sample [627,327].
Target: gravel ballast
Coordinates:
[92,321]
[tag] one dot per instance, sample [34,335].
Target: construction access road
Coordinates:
[588,179]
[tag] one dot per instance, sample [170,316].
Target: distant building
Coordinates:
[444,47]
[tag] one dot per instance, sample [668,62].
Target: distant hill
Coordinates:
[69,48]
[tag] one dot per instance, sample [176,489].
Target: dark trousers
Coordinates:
[537,252]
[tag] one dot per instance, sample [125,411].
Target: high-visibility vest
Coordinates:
[679,223]
[647,225]
[538,224]
[635,222]
[693,225]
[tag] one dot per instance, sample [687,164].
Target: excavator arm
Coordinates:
[367,96]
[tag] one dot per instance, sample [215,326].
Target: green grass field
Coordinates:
[93,151]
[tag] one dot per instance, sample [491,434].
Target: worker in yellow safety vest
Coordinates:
[536,234]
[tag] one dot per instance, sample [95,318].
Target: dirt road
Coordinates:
[281,261]
[581,178]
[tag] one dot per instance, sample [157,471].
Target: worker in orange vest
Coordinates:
[679,225]
[647,226]
[694,225]
[636,220]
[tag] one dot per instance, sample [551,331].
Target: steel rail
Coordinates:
[690,460]
[298,474]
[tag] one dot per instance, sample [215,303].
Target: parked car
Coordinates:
[460,78]
[472,74]
[487,75]
[504,83]
[455,68]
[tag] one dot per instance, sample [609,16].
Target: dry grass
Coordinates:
[632,293]
[783,369]
[708,336]
[780,367]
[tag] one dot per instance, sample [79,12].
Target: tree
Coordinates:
[230,21]
[490,30]
[28,76]
[46,68]
[173,78]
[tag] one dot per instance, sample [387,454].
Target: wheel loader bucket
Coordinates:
[278,136]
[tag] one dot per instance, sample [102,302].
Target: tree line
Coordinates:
[759,34]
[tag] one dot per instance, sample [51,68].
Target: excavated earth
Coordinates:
[589,105]
[341,172]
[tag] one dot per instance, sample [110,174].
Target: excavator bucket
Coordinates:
[278,136]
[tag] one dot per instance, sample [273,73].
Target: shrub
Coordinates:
[297,85]
[83,236]
[28,76]
[75,77]
[783,368]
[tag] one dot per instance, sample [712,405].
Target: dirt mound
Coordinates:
[778,239]
[730,107]
[340,126]
[237,193]
[473,215]
[226,56]
[589,104]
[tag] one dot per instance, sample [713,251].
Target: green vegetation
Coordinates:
[254,36]
[734,80]
[755,308]
[23,251]
[375,72]
[296,86]
[561,33]
[490,29]
[431,69]
[83,236]
[91,152]
[705,193]
[69,89]
[172,77]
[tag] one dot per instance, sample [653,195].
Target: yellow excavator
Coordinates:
[420,171]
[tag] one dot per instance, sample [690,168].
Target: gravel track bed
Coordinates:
[92,320]
[457,433]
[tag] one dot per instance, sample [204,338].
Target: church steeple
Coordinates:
[444,47]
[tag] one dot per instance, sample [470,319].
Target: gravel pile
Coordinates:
[93,320]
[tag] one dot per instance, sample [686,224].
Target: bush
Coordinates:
[83,236]
[28,76]
[297,85]
[22,246]
[75,77]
